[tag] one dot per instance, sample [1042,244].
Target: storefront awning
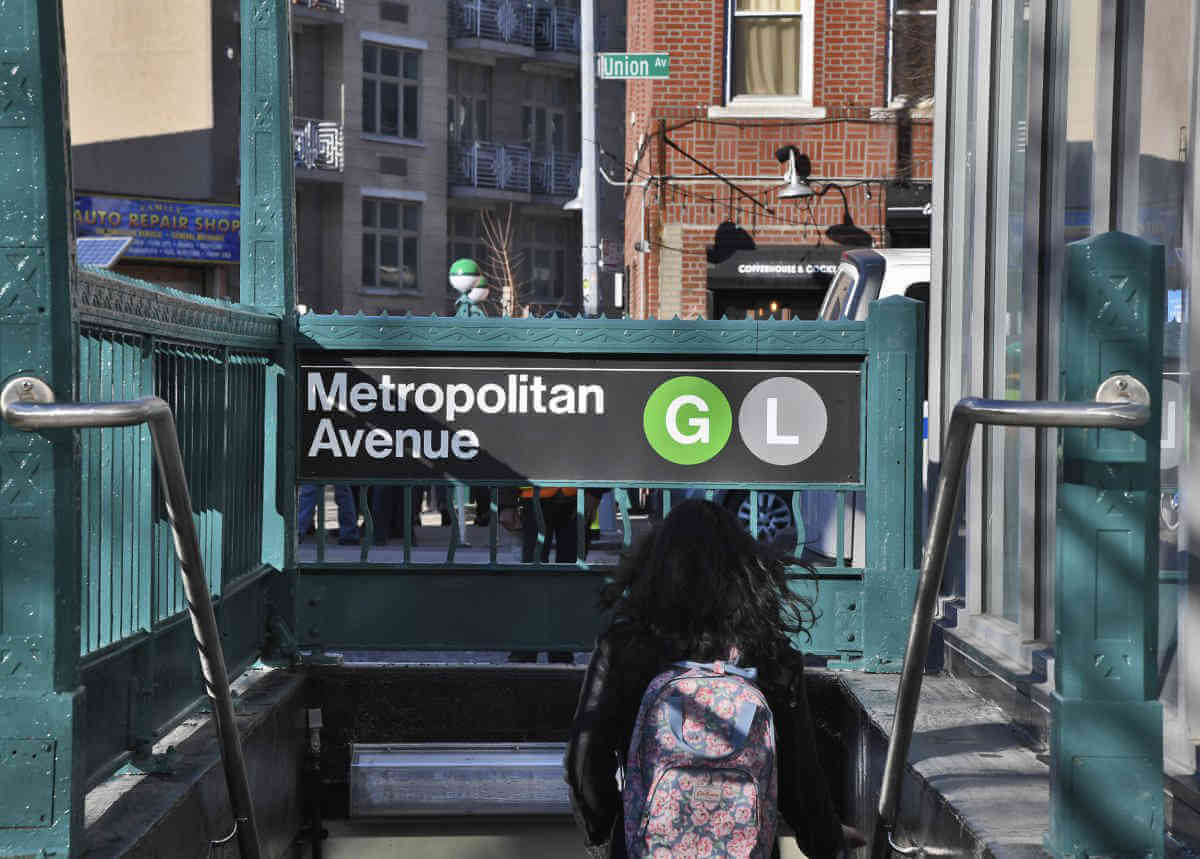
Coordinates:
[777,267]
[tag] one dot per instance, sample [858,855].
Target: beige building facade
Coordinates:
[411,121]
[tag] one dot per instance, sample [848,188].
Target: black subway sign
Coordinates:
[527,419]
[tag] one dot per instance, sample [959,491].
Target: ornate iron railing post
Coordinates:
[1106,793]
[268,257]
[41,795]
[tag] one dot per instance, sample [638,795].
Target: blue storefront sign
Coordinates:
[166,230]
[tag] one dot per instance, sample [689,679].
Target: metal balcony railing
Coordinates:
[508,21]
[327,5]
[318,144]
[503,167]
[556,174]
[556,29]
[514,167]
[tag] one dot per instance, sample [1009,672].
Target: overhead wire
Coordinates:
[700,198]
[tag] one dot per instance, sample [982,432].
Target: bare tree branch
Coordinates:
[503,265]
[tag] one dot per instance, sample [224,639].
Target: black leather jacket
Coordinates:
[619,671]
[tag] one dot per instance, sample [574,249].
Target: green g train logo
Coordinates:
[687,420]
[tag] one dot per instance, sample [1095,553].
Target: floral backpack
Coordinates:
[700,775]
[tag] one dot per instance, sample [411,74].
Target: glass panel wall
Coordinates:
[1004,484]
[1161,173]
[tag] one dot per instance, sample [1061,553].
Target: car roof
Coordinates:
[892,256]
[905,256]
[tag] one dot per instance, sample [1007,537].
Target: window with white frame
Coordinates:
[391,91]
[770,50]
[390,242]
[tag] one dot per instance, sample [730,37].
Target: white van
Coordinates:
[862,276]
[865,275]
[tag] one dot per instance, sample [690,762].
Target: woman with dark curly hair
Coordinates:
[698,588]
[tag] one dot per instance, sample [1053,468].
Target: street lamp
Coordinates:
[467,280]
[575,204]
[795,186]
[795,177]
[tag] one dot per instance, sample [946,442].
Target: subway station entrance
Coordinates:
[157,450]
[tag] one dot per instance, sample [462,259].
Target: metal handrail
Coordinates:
[27,404]
[1120,414]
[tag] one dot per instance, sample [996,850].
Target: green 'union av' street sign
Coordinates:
[634,66]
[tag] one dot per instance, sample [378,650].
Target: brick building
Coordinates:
[848,83]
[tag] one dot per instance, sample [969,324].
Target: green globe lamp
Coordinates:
[468,281]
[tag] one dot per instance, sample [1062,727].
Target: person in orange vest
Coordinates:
[558,511]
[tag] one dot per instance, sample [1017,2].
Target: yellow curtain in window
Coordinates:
[767,50]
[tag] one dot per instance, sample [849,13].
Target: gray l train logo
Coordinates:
[688,420]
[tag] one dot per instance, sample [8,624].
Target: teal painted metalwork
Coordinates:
[41,792]
[134,635]
[268,260]
[574,336]
[897,373]
[1106,740]
[110,301]
[893,371]
[267,175]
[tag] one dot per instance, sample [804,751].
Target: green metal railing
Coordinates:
[130,578]
[435,593]
[211,362]
[402,547]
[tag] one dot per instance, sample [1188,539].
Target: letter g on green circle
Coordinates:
[687,420]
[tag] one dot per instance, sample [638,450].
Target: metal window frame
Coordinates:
[399,79]
[969,330]
[1005,17]
[953,225]
[1186,715]
[978,303]
[401,233]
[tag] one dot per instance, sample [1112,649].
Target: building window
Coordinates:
[547,262]
[391,91]
[466,238]
[544,115]
[771,49]
[390,238]
[914,36]
[468,105]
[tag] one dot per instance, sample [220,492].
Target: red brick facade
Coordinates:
[856,137]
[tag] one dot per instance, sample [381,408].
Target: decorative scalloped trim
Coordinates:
[697,336]
[112,301]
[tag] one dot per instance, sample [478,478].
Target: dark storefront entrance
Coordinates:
[780,281]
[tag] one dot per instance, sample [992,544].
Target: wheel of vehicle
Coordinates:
[775,522]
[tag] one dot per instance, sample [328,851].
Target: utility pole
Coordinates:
[587,165]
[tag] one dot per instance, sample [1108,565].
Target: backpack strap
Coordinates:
[741,725]
[750,674]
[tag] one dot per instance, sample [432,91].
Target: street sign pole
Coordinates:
[587,173]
